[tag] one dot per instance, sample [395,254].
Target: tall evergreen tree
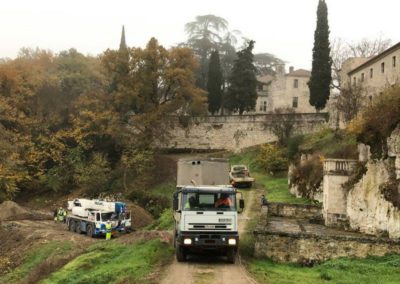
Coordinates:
[242,94]
[321,76]
[122,64]
[214,83]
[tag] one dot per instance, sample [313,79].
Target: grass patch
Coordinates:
[372,270]
[164,189]
[35,258]
[277,189]
[330,143]
[110,262]
[164,223]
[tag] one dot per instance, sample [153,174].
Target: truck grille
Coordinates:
[209,226]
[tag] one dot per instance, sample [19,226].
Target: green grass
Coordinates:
[34,258]
[164,189]
[111,262]
[385,270]
[164,223]
[330,143]
[277,189]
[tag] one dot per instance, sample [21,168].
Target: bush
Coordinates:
[294,146]
[152,203]
[308,176]
[357,173]
[378,121]
[272,158]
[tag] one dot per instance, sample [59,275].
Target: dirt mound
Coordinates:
[140,217]
[11,211]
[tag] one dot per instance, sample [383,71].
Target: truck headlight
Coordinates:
[232,242]
[187,241]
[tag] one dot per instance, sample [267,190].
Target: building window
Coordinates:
[362,77]
[371,72]
[265,106]
[394,61]
[295,103]
[354,81]
[383,67]
[296,83]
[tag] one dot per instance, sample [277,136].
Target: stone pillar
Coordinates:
[336,173]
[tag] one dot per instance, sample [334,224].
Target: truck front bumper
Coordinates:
[208,240]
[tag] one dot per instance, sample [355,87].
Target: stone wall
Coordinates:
[235,132]
[300,211]
[310,247]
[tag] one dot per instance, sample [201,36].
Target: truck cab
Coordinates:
[206,216]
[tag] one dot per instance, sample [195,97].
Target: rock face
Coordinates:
[367,209]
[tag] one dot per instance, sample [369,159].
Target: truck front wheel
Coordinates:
[231,255]
[180,253]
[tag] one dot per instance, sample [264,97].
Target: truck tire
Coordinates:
[72,225]
[231,255]
[89,231]
[78,227]
[180,253]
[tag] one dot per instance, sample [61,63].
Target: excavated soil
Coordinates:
[11,211]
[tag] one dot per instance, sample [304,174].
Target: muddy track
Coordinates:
[209,269]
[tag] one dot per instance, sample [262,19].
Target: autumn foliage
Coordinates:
[71,121]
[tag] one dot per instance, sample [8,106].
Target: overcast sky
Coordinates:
[281,27]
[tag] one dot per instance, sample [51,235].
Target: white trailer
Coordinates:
[91,215]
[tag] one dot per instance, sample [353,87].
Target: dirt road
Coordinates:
[207,270]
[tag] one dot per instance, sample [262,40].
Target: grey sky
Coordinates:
[282,27]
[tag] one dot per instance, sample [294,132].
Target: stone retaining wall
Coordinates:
[236,132]
[310,248]
[294,210]
[297,240]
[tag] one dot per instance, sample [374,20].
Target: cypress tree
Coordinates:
[242,93]
[214,83]
[321,76]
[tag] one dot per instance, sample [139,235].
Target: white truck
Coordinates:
[90,216]
[239,176]
[205,209]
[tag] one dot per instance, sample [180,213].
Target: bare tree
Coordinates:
[342,50]
[282,124]
[350,101]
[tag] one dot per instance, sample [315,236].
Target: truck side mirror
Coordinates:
[175,203]
[241,203]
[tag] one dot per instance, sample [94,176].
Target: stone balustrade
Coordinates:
[338,166]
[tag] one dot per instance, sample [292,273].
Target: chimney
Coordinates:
[291,69]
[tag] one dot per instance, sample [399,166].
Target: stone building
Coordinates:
[284,90]
[373,74]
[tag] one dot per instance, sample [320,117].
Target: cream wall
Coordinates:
[281,91]
[379,80]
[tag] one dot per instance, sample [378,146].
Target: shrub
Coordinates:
[152,203]
[359,170]
[377,122]
[272,158]
[293,146]
[308,176]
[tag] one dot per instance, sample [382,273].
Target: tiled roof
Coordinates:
[299,73]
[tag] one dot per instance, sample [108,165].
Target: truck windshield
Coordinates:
[194,201]
[109,216]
